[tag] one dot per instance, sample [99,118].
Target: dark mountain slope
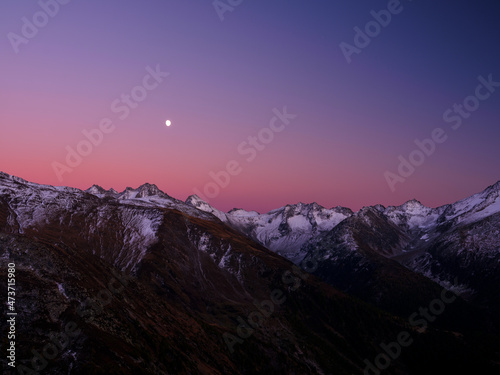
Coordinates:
[104,287]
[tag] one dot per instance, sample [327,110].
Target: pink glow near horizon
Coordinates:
[353,120]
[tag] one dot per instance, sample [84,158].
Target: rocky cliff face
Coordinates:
[284,230]
[456,245]
[141,283]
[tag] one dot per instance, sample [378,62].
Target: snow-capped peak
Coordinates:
[200,204]
[413,215]
[96,189]
[413,204]
[150,190]
[476,207]
[241,212]
[195,200]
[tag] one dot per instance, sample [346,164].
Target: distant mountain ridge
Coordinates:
[196,275]
[296,231]
[456,245]
[287,229]
[412,212]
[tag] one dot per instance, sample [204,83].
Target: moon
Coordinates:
[168,122]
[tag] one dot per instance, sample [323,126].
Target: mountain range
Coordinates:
[153,285]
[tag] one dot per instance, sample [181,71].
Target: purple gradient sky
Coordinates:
[353,120]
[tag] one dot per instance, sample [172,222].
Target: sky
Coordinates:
[271,102]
